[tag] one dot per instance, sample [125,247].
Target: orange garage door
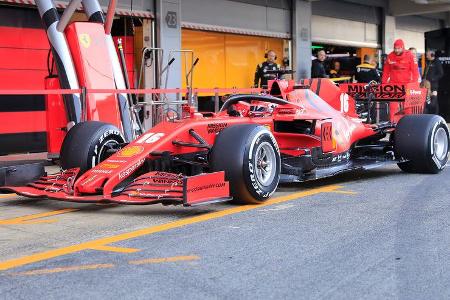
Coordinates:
[227,60]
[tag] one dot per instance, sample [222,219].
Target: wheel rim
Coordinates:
[265,161]
[440,144]
[103,153]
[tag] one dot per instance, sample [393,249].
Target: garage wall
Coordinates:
[412,30]
[285,4]
[417,24]
[136,5]
[345,23]
[334,31]
[236,15]
[347,11]
[23,65]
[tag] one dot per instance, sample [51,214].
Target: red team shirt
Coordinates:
[401,68]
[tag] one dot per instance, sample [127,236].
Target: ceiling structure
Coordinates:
[418,7]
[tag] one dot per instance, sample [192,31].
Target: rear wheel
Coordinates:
[423,140]
[88,143]
[250,157]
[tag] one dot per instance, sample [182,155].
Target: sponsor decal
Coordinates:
[116,161]
[89,179]
[108,133]
[100,171]
[167,178]
[414,92]
[286,111]
[130,151]
[206,187]
[131,169]
[85,40]
[109,166]
[384,91]
[341,157]
[255,185]
[216,127]
[175,181]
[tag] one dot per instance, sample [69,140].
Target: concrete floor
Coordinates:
[374,235]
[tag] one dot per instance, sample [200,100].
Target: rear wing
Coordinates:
[410,92]
[411,96]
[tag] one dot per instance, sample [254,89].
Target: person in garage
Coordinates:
[335,71]
[416,59]
[367,71]
[433,73]
[400,68]
[318,65]
[261,75]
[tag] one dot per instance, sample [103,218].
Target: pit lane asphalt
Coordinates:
[378,234]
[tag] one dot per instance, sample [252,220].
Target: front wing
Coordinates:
[149,188]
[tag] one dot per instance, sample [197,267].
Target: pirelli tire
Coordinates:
[250,157]
[423,141]
[87,144]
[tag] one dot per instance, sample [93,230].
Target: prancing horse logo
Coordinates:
[85,40]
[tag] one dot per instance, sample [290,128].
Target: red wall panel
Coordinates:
[17,122]
[23,65]
[19,37]
[20,79]
[23,59]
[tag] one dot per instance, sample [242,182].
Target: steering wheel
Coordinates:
[171,115]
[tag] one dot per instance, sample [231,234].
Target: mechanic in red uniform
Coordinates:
[400,68]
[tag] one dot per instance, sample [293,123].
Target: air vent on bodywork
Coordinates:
[296,126]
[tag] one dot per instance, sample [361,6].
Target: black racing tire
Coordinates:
[250,157]
[86,143]
[422,140]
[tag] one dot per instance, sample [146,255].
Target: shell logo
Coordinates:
[85,40]
[130,151]
[109,166]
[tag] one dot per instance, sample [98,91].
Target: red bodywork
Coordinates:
[336,129]
[93,66]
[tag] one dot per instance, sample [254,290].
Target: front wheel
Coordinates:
[88,143]
[250,157]
[422,140]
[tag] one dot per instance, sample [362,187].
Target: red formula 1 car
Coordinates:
[297,132]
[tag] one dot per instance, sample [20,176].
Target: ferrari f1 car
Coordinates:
[295,133]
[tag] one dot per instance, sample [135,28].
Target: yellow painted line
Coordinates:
[345,192]
[115,249]
[163,260]
[39,221]
[31,219]
[21,261]
[7,195]
[65,269]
